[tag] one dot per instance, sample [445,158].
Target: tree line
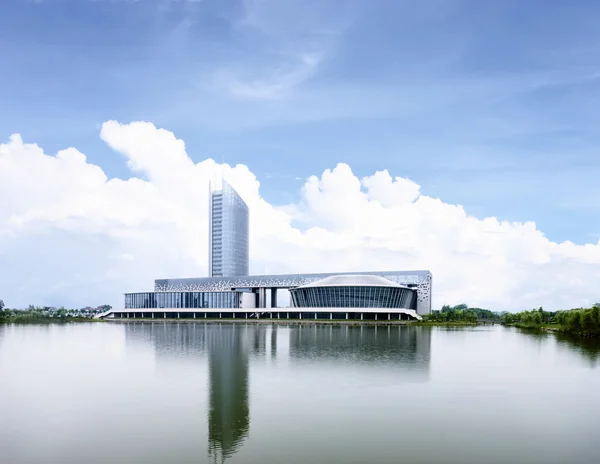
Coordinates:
[46,313]
[462,313]
[583,322]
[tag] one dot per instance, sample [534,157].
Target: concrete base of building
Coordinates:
[305,314]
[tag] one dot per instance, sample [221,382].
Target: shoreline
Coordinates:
[50,321]
[263,321]
[447,324]
[301,322]
[553,328]
[351,322]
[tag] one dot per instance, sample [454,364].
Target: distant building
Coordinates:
[229,232]
[230,292]
[386,292]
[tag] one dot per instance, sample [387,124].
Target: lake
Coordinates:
[196,393]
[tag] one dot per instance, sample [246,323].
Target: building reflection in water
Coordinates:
[231,348]
[229,412]
[228,348]
[403,349]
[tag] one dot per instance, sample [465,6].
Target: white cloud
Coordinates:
[270,82]
[71,235]
[283,43]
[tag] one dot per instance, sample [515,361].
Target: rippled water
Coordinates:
[194,393]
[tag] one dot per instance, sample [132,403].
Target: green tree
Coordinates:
[61,312]
[575,321]
[470,316]
[1,305]
[587,322]
[596,316]
[508,318]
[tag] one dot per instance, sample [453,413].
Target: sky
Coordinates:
[458,136]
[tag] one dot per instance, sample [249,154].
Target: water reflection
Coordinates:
[231,349]
[227,348]
[406,349]
[169,339]
[588,349]
[229,412]
[195,393]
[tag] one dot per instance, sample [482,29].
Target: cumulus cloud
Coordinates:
[70,235]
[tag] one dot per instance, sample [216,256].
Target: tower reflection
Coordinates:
[229,412]
[227,348]
[230,349]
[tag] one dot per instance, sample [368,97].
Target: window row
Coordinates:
[353,297]
[182,300]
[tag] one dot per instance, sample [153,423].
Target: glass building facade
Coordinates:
[354,291]
[229,232]
[419,281]
[353,297]
[184,300]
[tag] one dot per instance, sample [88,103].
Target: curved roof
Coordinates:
[358,280]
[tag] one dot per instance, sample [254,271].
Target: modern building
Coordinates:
[229,245]
[230,292]
[260,287]
[402,294]
[354,291]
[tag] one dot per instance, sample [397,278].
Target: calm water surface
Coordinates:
[195,393]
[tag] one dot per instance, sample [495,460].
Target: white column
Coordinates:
[262,297]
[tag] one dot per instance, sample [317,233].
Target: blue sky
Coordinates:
[489,104]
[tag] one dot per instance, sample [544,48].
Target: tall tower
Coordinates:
[229,232]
